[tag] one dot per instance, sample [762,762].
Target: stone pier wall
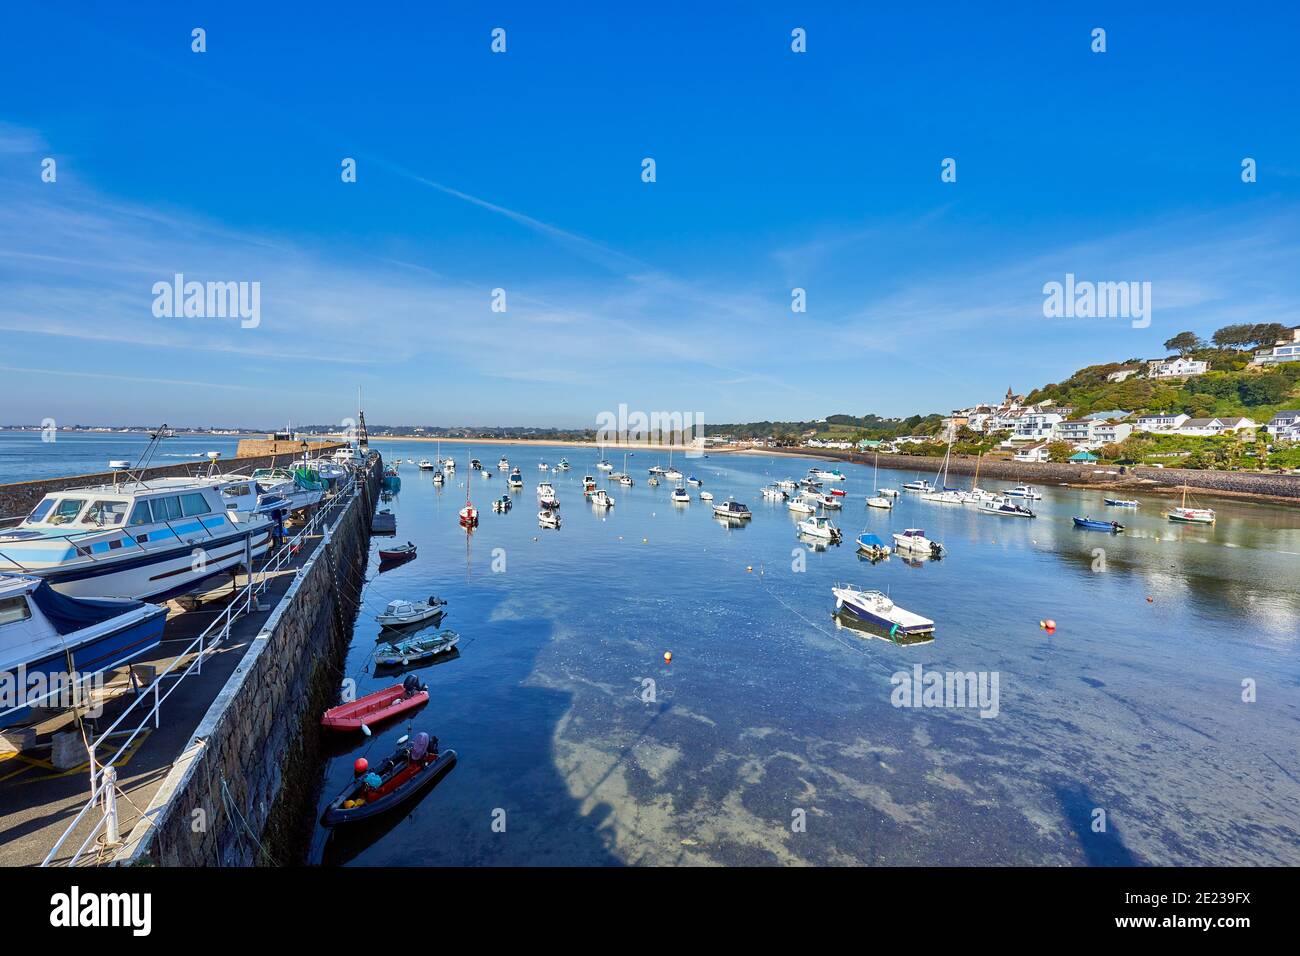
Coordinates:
[245,783]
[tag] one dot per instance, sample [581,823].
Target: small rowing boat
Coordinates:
[416,650]
[399,553]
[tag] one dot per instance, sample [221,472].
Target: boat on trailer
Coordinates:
[60,639]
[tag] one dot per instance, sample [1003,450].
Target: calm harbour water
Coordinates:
[769,713]
[25,457]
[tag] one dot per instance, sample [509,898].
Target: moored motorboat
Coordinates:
[502,504]
[503,463]
[404,613]
[732,509]
[1006,508]
[913,540]
[426,465]
[438,478]
[871,545]
[774,493]
[548,519]
[706,496]
[600,498]
[516,478]
[377,706]
[827,474]
[1023,491]
[1120,502]
[546,495]
[469,515]
[680,496]
[417,649]
[416,764]
[920,485]
[802,505]
[819,526]
[1114,527]
[875,607]
[880,501]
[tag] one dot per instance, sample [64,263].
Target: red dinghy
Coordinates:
[377,707]
[838,492]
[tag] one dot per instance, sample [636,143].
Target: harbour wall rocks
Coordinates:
[18,498]
[241,790]
[1244,483]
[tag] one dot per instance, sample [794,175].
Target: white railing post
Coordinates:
[111,834]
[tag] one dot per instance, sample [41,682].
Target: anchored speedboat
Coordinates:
[914,541]
[732,509]
[874,607]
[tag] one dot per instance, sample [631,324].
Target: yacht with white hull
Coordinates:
[136,539]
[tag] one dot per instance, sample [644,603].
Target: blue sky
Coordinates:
[522,171]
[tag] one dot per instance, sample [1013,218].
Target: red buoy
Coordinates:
[360,766]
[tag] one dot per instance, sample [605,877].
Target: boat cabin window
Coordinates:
[194,504]
[166,509]
[236,491]
[140,514]
[14,609]
[106,512]
[40,511]
[66,510]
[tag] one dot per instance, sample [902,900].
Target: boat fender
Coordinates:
[373,781]
[360,766]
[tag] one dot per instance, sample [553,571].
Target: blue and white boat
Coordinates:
[139,539]
[871,545]
[48,639]
[1114,527]
[827,474]
[1120,502]
[874,607]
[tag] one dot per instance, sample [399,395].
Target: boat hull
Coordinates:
[372,709]
[336,815]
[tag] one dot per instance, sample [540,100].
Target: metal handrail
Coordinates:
[101,771]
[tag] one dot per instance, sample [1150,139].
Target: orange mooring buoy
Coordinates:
[668,657]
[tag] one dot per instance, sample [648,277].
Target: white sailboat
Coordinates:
[877,500]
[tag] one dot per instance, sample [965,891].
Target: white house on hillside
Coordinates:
[1077,430]
[1036,452]
[1217,426]
[1176,368]
[1285,425]
[1161,422]
[1036,426]
[1109,433]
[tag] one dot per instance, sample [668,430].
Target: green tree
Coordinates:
[1184,342]
[1234,336]
[1263,389]
[1059,451]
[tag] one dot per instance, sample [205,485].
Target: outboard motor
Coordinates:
[419,746]
[411,686]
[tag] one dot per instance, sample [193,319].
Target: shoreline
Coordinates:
[1281,489]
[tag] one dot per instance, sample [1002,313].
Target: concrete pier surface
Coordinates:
[39,801]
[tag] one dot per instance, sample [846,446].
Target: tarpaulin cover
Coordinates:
[69,614]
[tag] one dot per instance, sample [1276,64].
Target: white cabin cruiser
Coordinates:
[827,474]
[680,496]
[732,509]
[802,505]
[914,540]
[600,498]
[874,607]
[546,493]
[402,613]
[819,526]
[138,539]
[1023,491]
[548,519]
